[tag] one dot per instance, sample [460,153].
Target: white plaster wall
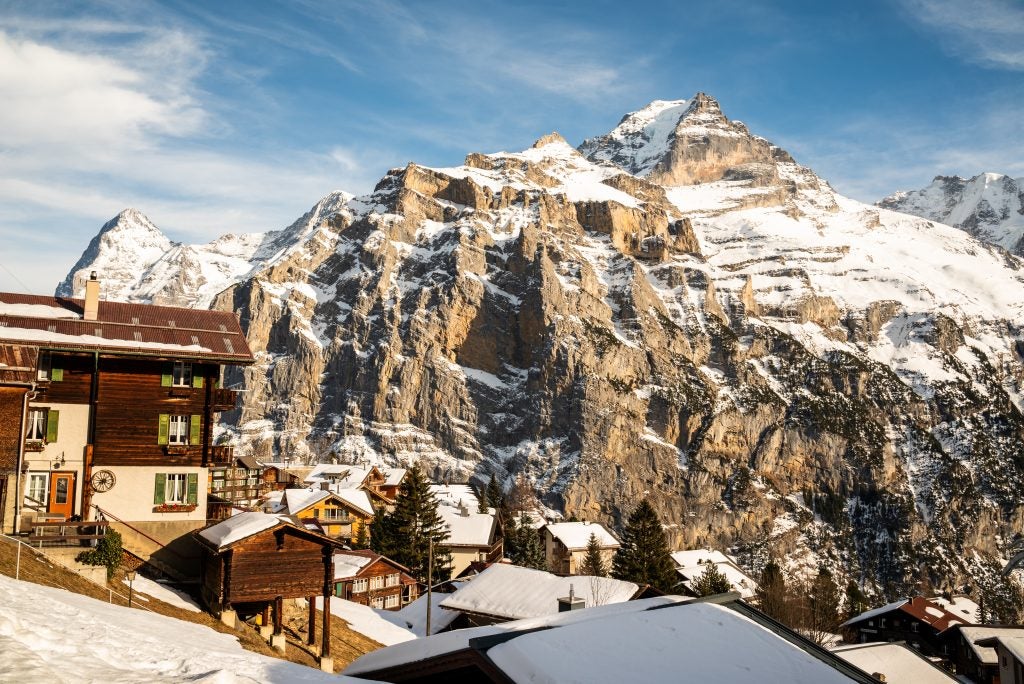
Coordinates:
[131,498]
[72,436]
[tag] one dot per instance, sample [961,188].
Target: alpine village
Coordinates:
[658,406]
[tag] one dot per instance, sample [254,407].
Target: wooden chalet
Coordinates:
[565,545]
[17,375]
[922,624]
[337,513]
[277,477]
[239,482]
[253,562]
[370,579]
[970,659]
[121,410]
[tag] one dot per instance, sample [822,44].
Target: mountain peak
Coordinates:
[702,103]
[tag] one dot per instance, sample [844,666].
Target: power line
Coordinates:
[25,287]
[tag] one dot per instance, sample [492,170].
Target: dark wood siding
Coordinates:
[11,408]
[276,563]
[74,387]
[129,404]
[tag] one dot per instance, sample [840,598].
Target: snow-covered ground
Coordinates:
[51,635]
[379,625]
[162,592]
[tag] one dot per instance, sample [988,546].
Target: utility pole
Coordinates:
[430,579]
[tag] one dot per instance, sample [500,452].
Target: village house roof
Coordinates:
[17,364]
[654,640]
[466,527]
[350,564]
[1012,643]
[691,564]
[961,606]
[917,607]
[295,501]
[338,473]
[455,495]
[972,634]
[897,662]
[576,535]
[241,526]
[356,498]
[123,328]
[394,476]
[512,592]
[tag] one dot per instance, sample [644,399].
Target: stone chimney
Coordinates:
[92,297]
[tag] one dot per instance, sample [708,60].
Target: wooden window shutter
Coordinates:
[195,434]
[57,375]
[158,490]
[197,380]
[52,419]
[164,429]
[193,488]
[167,379]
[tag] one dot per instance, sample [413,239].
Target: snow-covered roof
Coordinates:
[240,526]
[701,642]
[349,564]
[576,535]
[918,607]
[394,476]
[972,634]
[295,501]
[897,662]
[513,592]
[1013,644]
[455,495]
[357,498]
[110,643]
[469,528]
[647,640]
[414,615]
[875,612]
[961,606]
[693,563]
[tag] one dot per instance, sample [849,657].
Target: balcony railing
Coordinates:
[224,399]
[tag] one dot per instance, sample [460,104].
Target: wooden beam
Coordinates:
[311,637]
[325,648]
[265,618]
[278,617]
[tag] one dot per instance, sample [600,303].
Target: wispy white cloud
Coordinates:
[988,32]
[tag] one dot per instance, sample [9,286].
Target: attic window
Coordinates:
[230,347]
[99,332]
[51,328]
[138,336]
[135,320]
[223,328]
[170,323]
[195,340]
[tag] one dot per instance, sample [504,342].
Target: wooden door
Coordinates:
[62,494]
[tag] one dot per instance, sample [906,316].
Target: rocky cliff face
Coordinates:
[989,206]
[779,368]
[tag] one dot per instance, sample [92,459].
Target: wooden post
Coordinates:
[278,617]
[325,648]
[265,619]
[311,637]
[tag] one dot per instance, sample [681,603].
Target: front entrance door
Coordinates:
[62,494]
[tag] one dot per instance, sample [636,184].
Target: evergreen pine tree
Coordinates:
[712,581]
[494,493]
[522,545]
[771,593]
[643,556]
[856,602]
[410,528]
[383,538]
[822,607]
[593,563]
[362,540]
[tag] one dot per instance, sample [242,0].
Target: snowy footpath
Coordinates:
[51,635]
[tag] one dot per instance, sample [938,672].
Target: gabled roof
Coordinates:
[972,634]
[576,535]
[692,564]
[455,495]
[351,563]
[1013,644]
[345,475]
[918,607]
[653,640]
[512,592]
[894,660]
[123,328]
[356,498]
[394,476]
[467,527]
[295,501]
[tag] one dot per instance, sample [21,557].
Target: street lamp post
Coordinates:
[130,576]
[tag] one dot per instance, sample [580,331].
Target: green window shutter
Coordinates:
[164,429]
[193,488]
[195,435]
[158,490]
[57,375]
[197,380]
[52,418]
[166,380]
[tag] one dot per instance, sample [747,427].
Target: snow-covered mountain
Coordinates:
[989,206]
[677,310]
[139,263]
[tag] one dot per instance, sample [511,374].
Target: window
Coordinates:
[378,602]
[36,425]
[359,586]
[335,513]
[181,374]
[37,485]
[392,601]
[377,582]
[393,580]
[179,430]
[176,488]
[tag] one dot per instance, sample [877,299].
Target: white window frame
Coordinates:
[176,488]
[181,374]
[45,364]
[377,602]
[377,582]
[393,580]
[36,427]
[178,427]
[44,479]
[359,586]
[392,600]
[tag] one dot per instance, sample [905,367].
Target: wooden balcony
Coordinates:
[224,399]
[65,533]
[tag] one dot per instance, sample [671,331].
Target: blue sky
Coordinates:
[238,116]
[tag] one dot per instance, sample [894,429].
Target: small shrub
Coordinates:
[107,552]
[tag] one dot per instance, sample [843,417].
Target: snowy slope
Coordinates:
[51,635]
[989,206]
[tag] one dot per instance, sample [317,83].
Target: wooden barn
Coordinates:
[253,562]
